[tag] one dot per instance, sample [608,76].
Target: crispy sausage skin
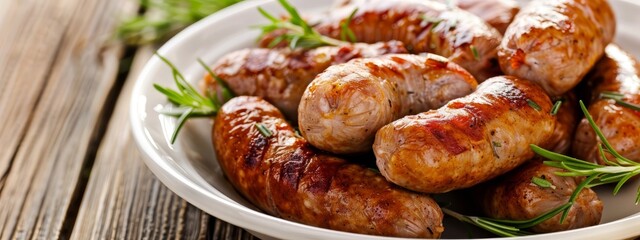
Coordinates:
[556,42]
[468,141]
[616,72]
[284,176]
[344,106]
[281,75]
[423,26]
[514,197]
[497,13]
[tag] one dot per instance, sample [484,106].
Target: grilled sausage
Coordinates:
[616,72]
[344,106]
[468,141]
[284,176]
[514,197]
[423,26]
[497,13]
[281,75]
[556,42]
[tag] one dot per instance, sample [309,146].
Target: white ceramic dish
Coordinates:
[189,168]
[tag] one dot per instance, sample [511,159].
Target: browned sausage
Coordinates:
[556,42]
[468,141]
[344,106]
[284,176]
[497,13]
[423,26]
[281,75]
[617,72]
[514,197]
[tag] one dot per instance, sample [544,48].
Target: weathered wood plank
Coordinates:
[58,75]
[123,199]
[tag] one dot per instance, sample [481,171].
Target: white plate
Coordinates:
[189,168]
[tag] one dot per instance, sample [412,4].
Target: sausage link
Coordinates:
[284,176]
[514,197]
[468,141]
[423,26]
[556,42]
[281,75]
[344,106]
[617,72]
[567,121]
[497,13]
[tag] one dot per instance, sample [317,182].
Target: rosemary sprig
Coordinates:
[172,16]
[189,102]
[617,170]
[619,98]
[299,33]
[506,228]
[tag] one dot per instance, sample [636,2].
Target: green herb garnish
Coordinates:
[506,228]
[189,102]
[170,16]
[346,34]
[474,50]
[299,34]
[618,97]
[263,130]
[541,182]
[534,105]
[556,107]
[617,170]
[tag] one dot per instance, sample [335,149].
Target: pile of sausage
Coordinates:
[442,99]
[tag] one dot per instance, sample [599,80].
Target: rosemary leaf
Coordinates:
[298,32]
[476,55]
[227,93]
[556,107]
[263,130]
[346,34]
[542,182]
[618,97]
[534,105]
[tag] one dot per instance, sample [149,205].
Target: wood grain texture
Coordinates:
[58,73]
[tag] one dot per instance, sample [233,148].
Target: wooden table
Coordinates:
[69,167]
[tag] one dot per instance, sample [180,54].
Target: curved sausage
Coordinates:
[423,26]
[468,141]
[556,42]
[284,176]
[514,197]
[344,106]
[497,13]
[617,72]
[281,75]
